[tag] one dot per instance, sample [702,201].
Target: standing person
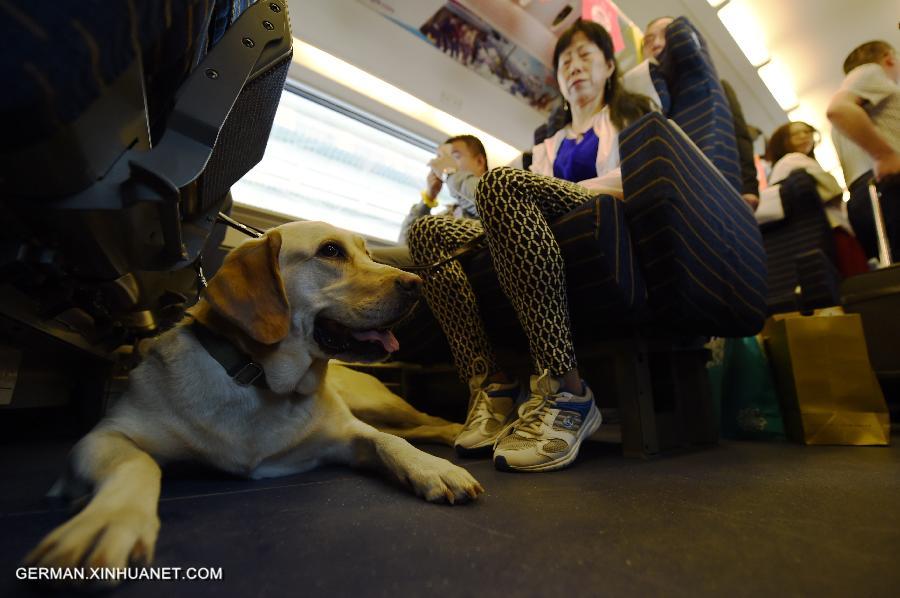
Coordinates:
[865,112]
[580,161]
[792,147]
[654,43]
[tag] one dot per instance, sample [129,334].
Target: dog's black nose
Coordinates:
[408,285]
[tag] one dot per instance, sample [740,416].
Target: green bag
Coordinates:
[715,369]
[749,403]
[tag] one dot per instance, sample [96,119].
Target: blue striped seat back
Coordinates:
[698,103]
[697,242]
[804,229]
[662,88]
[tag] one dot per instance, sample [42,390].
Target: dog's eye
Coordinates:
[331,250]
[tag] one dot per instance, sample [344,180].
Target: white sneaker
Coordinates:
[550,428]
[490,408]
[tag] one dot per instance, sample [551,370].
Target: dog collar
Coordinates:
[239,366]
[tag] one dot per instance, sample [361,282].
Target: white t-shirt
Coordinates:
[881,100]
[609,175]
[854,160]
[827,188]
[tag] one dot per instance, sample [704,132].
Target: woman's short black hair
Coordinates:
[473,143]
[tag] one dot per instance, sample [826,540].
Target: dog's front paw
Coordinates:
[437,480]
[98,538]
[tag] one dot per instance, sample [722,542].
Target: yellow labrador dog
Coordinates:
[244,384]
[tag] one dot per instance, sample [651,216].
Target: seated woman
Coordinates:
[580,161]
[792,147]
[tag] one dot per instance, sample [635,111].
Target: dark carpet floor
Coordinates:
[739,519]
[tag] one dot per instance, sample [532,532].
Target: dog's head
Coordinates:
[316,285]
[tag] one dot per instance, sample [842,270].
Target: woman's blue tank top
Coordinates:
[577,161]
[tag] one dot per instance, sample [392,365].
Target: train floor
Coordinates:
[737,519]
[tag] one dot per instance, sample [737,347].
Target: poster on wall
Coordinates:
[625,35]
[475,43]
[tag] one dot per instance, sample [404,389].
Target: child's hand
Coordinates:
[887,166]
[442,164]
[751,200]
[433,185]
[445,150]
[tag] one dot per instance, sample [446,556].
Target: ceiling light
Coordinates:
[343,73]
[715,3]
[741,23]
[778,79]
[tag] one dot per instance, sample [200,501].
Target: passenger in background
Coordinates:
[792,147]
[762,165]
[460,161]
[570,168]
[865,112]
[653,44]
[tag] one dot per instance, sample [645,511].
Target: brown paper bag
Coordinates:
[828,391]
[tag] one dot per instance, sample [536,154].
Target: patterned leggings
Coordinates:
[515,206]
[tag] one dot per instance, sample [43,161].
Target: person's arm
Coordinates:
[540,160]
[461,184]
[866,84]
[609,184]
[749,182]
[415,212]
[432,187]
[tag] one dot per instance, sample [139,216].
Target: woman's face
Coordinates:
[802,138]
[655,37]
[582,70]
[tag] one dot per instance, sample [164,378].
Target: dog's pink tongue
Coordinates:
[386,338]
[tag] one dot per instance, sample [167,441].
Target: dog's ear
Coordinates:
[249,292]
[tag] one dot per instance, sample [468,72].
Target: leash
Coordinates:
[248,230]
[466,248]
[242,369]
[471,246]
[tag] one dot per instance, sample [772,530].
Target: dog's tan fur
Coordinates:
[370,401]
[181,404]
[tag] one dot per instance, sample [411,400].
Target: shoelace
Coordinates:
[531,412]
[531,415]
[479,410]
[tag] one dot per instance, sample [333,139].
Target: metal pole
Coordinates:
[884,249]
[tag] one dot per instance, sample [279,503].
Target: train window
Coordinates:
[327,162]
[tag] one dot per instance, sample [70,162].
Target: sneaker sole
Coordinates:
[478,451]
[590,426]
[485,447]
